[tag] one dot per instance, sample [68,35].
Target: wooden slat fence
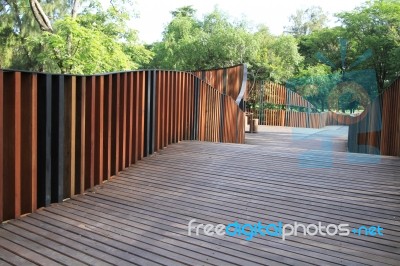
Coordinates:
[378,130]
[285,99]
[61,135]
[230,81]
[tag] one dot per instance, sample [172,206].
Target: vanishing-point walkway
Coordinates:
[289,175]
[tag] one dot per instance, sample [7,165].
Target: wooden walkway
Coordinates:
[141,217]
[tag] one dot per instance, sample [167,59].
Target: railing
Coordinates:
[378,130]
[230,81]
[304,119]
[61,134]
[285,99]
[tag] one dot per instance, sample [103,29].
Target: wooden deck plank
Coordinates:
[56,251]
[141,216]
[202,210]
[8,258]
[24,252]
[92,247]
[254,252]
[53,244]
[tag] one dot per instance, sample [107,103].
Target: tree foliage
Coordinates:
[217,41]
[376,26]
[323,63]
[306,21]
[91,41]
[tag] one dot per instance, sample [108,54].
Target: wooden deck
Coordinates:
[141,217]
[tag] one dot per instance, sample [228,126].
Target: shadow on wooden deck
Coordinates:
[290,175]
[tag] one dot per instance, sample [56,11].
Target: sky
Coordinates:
[154,15]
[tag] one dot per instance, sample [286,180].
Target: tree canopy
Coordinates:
[83,37]
[89,41]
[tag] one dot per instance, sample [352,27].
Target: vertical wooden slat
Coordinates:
[44,140]
[162,112]
[108,82]
[136,132]
[129,158]
[141,102]
[12,147]
[173,106]
[57,137]
[122,117]
[29,143]
[178,104]
[157,140]
[90,131]
[70,136]
[81,130]
[99,131]
[115,124]
[168,120]
[17,143]
[73,136]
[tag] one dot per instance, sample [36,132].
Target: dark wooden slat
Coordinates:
[57,138]
[44,139]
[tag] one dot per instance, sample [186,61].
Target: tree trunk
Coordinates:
[40,16]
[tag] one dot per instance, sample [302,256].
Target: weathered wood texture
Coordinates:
[377,131]
[141,217]
[61,135]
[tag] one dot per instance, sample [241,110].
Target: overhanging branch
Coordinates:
[40,16]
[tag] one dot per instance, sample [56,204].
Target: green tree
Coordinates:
[178,49]
[17,25]
[55,37]
[376,26]
[284,59]
[315,83]
[306,21]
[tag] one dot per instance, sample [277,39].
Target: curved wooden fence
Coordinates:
[61,135]
[230,81]
[378,130]
[276,94]
[276,117]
